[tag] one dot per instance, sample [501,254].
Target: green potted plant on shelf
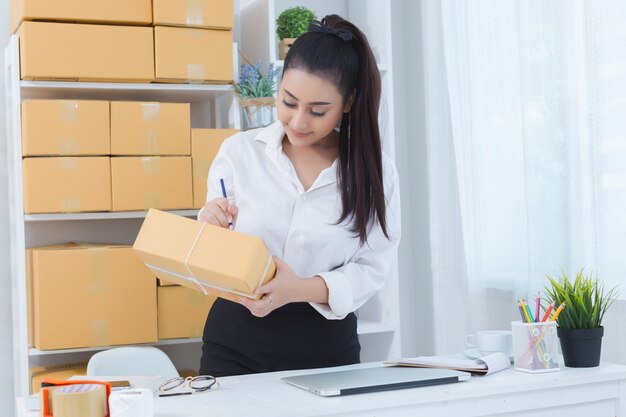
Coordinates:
[290,24]
[256,95]
[580,328]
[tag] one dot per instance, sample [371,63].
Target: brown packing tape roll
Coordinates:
[69,204]
[195,13]
[150,166]
[79,400]
[68,111]
[195,73]
[151,112]
[99,332]
[68,146]
[98,270]
[151,143]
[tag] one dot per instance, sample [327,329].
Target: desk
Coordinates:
[571,392]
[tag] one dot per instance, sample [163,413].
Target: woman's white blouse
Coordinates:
[299,226]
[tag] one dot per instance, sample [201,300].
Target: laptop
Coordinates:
[357,381]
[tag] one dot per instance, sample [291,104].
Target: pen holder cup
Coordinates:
[535,346]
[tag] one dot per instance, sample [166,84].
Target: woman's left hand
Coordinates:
[283,289]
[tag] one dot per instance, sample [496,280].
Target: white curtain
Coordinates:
[526,133]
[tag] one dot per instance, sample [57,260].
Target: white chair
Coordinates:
[132,361]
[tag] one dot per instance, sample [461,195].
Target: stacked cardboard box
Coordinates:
[128,12]
[77,52]
[71,289]
[193,40]
[182,312]
[205,143]
[68,144]
[160,174]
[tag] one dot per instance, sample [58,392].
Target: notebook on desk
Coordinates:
[358,381]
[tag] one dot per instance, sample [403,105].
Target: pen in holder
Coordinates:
[535,346]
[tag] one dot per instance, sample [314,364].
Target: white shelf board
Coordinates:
[37,352]
[123,91]
[363,327]
[99,216]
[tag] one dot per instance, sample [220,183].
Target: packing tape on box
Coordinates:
[136,402]
[97,270]
[195,73]
[151,143]
[195,13]
[69,204]
[68,164]
[99,332]
[150,112]
[152,199]
[68,146]
[150,166]
[79,400]
[68,111]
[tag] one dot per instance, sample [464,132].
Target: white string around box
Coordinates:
[202,284]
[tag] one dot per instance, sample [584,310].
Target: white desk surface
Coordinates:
[570,392]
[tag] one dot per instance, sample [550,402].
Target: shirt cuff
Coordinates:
[339,296]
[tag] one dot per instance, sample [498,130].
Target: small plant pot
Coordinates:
[284,46]
[581,347]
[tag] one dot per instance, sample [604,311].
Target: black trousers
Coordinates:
[294,336]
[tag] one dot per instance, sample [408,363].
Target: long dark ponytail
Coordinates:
[338,51]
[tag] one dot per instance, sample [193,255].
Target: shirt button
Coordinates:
[303,197]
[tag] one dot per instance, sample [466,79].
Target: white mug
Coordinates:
[490,341]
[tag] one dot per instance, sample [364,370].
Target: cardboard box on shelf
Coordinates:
[71,293]
[150,128]
[193,55]
[213,14]
[140,183]
[65,127]
[203,257]
[204,146]
[76,52]
[58,372]
[66,184]
[129,12]
[182,312]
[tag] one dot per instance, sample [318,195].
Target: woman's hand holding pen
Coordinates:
[285,288]
[219,212]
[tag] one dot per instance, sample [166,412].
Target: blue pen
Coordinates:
[230,223]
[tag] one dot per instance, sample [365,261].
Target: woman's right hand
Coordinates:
[219,213]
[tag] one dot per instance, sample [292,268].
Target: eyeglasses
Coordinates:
[198,383]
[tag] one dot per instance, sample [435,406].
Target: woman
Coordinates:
[318,190]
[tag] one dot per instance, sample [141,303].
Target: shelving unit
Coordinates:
[379,319]
[211,106]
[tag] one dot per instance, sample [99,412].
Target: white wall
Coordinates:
[6,345]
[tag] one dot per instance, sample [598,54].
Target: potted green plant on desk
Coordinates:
[290,24]
[580,328]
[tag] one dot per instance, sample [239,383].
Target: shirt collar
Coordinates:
[272,136]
